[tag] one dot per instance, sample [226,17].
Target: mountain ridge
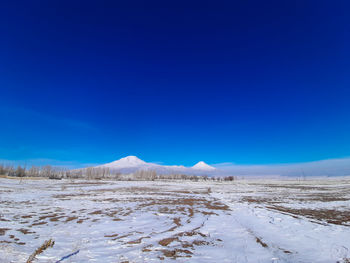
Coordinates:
[133,163]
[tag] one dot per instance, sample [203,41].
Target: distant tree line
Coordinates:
[34,171]
[99,173]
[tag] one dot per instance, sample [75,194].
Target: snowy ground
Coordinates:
[245,221]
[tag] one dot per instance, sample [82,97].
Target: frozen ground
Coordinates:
[245,221]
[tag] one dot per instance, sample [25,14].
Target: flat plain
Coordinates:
[247,220]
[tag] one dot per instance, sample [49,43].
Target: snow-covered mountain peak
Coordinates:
[203,166]
[129,161]
[132,160]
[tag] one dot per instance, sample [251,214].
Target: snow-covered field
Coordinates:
[244,221]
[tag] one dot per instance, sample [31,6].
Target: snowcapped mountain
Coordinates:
[203,166]
[131,164]
[126,162]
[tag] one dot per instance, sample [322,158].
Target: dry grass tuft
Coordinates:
[41,249]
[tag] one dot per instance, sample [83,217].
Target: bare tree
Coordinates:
[33,171]
[46,171]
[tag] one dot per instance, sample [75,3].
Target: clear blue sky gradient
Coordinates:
[249,82]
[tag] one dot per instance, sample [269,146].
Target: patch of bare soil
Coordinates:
[71,218]
[39,223]
[15,240]
[147,248]
[176,253]
[80,221]
[200,243]
[69,196]
[208,213]
[331,216]
[97,212]
[113,235]
[48,216]
[259,241]
[300,197]
[260,200]
[192,233]
[25,231]
[137,241]
[121,237]
[188,192]
[181,204]
[324,198]
[216,206]
[177,221]
[166,241]
[300,187]
[3,231]
[27,216]
[55,219]
[128,212]
[129,190]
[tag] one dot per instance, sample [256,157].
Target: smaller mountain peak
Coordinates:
[203,166]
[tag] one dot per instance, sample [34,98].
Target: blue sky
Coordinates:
[247,82]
